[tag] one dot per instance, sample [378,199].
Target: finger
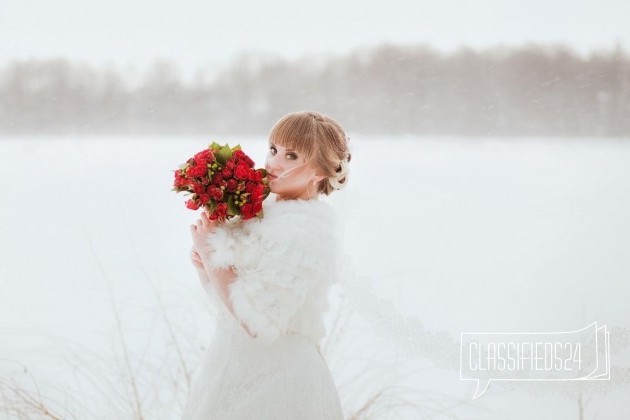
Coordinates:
[210,222]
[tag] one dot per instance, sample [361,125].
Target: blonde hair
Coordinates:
[321,140]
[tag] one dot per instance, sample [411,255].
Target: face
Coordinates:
[290,176]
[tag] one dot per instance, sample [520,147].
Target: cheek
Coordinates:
[303,176]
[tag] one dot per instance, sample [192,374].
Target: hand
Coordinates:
[196,260]
[199,231]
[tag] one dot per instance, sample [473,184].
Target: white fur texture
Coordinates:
[285,263]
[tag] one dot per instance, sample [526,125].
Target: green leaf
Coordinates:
[224,154]
[232,209]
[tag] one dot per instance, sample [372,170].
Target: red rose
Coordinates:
[193,205]
[221,210]
[255,176]
[241,171]
[215,193]
[226,172]
[203,157]
[246,210]
[244,158]
[199,170]
[231,185]
[257,192]
[198,188]
[204,198]
[180,179]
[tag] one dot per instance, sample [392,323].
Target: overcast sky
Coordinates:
[199,33]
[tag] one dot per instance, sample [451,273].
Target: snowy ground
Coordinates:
[466,235]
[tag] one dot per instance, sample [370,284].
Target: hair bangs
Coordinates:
[296,131]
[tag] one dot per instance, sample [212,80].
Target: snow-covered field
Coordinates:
[103,316]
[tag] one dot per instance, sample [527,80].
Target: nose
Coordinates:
[270,163]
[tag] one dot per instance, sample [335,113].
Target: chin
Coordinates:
[275,190]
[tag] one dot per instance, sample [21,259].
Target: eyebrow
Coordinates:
[288,150]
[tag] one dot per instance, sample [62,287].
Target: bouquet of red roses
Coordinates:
[224,181]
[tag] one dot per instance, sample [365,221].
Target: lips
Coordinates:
[271,176]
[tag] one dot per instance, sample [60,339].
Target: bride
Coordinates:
[269,279]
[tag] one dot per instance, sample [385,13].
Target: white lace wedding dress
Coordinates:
[285,264]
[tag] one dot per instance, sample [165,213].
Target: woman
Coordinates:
[269,278]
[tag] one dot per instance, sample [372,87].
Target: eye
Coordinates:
[292,156]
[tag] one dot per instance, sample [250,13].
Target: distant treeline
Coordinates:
[387,89]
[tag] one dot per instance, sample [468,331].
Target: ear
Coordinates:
[319,176]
